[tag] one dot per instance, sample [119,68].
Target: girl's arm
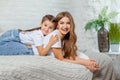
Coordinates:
[90,64]
[43,51]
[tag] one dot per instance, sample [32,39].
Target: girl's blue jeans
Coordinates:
[10,44]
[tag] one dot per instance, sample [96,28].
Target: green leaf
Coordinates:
[103,11]
[100,17]
[112,15]
[91,24]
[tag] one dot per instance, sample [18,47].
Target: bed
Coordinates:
[49,68]
[39,68]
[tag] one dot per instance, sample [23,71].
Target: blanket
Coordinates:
[40,68]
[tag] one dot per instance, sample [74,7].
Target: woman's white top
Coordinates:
[34,38]
[58,44]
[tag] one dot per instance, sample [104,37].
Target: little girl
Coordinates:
[28,42]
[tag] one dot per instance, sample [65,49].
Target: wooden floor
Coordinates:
[116,62]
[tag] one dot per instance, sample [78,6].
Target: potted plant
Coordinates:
[103,18]
[99,25]
[114,36]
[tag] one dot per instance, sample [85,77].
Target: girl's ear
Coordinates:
[40,24]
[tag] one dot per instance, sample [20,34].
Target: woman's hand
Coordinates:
[89,63]
[53,39]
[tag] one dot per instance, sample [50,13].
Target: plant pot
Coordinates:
[114,47]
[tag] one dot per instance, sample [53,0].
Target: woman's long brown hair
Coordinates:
[49,17]
[70,39]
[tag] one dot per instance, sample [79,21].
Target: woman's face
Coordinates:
[64,25]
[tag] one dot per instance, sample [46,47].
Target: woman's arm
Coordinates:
[43,51]
[89,63]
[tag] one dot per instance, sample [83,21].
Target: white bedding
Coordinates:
[40,68]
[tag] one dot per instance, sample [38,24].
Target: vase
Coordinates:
[103,39]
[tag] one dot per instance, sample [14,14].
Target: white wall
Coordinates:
[26,14]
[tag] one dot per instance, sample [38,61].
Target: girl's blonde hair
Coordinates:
[70,38]
[49,17]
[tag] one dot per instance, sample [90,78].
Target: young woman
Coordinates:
[65,50]
[18,42]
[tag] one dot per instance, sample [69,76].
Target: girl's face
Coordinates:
[47,27]
[64,26]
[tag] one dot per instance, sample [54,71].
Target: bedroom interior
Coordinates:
[26,14]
